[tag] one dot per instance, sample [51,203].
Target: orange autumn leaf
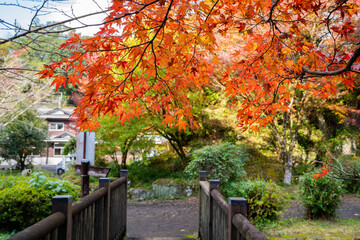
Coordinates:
[149,55]
[324,172]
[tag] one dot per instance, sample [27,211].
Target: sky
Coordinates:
[23,16]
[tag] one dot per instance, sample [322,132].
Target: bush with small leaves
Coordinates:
[266,200]
[22,206]
[223,162]
[321,196]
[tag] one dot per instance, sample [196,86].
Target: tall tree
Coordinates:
[115,137]
[23,137]
[20,88]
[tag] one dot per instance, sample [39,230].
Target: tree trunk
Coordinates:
[288,167]
[22,164]
[123,159]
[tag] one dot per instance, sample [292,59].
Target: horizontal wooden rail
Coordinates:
[205,186]
[219,198]
[117,183]
[41,228]
[246,229]
[83,203]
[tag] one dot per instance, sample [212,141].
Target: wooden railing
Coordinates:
[98,216]
[219,220]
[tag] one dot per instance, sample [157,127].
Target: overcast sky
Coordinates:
[71,7]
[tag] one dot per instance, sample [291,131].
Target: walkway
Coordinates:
[165,219]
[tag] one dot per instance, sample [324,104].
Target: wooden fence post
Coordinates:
[202,177]
[105,183]
[63,203]
[214,184]
[124,173]
[237,205]
[84,178]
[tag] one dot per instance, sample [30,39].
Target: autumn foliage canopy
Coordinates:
[150,53]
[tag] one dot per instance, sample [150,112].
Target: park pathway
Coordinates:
[163,219]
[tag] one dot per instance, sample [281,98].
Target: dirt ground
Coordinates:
[349,208]
[179,218]
[163,218]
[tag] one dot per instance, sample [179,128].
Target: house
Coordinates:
[61,128]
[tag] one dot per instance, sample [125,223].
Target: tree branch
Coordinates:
[337,72]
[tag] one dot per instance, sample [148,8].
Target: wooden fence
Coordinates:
[219,220]
[98,216]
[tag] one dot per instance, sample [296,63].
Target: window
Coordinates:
[56,126]
[58,149]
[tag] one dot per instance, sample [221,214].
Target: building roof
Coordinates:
[63,137]
[55,113]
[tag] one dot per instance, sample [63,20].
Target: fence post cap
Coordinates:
[214,182]
[237,201]
[104,180]
[62,199]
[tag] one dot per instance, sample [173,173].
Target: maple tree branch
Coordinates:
[343,173]
[347,68]
[212,8]
[275,3]
[18,69]
[336,8]
[36,13]
[39,29]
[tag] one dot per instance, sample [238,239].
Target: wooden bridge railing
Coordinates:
[98,216]
[219,220]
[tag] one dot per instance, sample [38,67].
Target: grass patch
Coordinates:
[6,235]
[304,229]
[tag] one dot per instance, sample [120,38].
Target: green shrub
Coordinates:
[266,200]
[26,200]
[166,160]
[22,206]
[224,162]
[321,197]
[143,173]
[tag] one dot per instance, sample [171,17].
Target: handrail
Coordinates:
[41,228]
[219,198]
[205,186]
[83,203]
[246,229]
[117,183]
